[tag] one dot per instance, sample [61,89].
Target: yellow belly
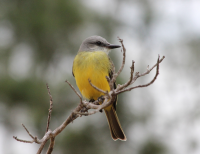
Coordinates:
[94,66]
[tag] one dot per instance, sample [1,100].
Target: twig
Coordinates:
[149,70]
[74,90]
[24,141]
[98,89]
[110,79]
[145,85]
[50,108]
[130,80]
[28,132]
[51,145]
[123,61]
[70,118]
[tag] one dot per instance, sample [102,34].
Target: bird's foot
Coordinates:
[92,100]
[101,99]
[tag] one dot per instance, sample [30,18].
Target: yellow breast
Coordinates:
[94,66]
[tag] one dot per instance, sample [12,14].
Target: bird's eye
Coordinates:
[98,43]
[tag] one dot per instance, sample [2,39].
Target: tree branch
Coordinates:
[131,77]
[51,145]
[50,108]
[74,90]
[145,85]
[41,147]
[123,62]
[83,107]
[98,89]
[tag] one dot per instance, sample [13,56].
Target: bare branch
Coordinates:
[149,70]
[98,89]
[110,79]
[28,132]
[24,141]
[123,62]
[130,80]
[52,143]
[74,90]
[83,107]
[87,113]
[157,62]
[105,104]
[41,146]
[137,75]
[70,118]
[50,108]
[113,67]
[145,85]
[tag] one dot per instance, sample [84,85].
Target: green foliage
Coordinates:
[16,92]
[153,147]
[79,142]
[44,24]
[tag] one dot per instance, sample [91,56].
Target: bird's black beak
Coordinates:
[112,46]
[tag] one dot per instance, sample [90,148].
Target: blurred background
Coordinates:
[38,42]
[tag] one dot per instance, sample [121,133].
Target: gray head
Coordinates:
[97,43]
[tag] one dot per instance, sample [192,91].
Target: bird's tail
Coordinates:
[114,124]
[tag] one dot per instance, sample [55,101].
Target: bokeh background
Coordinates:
[38,41]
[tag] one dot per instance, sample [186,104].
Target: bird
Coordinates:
[93,64]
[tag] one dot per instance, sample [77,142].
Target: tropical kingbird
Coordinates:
[92,63]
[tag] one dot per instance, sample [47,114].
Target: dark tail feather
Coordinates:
[114,124]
